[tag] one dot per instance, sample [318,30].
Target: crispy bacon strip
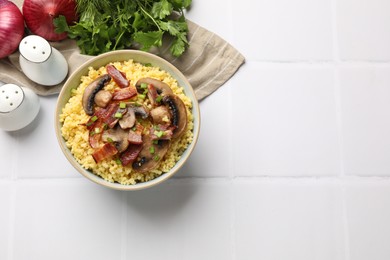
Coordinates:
[135,136]
[131,153]
[125,93]
[161,132]
[106,151]
[118,76]
[107,115]
[95,134]
[152,94]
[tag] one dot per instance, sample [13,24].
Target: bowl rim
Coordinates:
[167,67]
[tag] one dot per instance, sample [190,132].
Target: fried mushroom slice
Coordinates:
[151,154]
[118,137]
[90,91]
[102,98]
[161,87]
[161,115]
[178,112]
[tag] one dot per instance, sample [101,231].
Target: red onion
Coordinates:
[39,16]
[11,28]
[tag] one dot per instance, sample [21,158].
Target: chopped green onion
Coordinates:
[145,92]
[148,64]
[156,158]
[159,133]
[97,130]
[137,104]
[151,149]
[144,85]
[109,140]
[94,118]
[118,161]
[122,105]
[155,141]
[118,115]
[158,99]
[141,96]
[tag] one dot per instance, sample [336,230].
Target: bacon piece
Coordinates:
[161,132]
[124,93]
[130,154]
[118,76]
[95,134]
[107,115]
[135,135]
[106,151]
[152,94]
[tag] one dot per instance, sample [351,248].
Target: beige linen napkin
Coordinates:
[207,64]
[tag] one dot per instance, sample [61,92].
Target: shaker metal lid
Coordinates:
[11,96]
[34,48]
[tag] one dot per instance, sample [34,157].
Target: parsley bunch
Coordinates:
[106,25]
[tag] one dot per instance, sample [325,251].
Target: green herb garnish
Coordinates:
[106,25]
[159,133]
[122,105]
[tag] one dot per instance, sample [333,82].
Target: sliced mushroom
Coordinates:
[128,119]
[178,114]
[118,137]
[139,110]
[102,98]
[161,87]
[151,154]
[91,90]
[161,115]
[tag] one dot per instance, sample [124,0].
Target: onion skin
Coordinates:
[11,28]
[39,16]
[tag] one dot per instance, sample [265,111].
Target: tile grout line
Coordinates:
[233,249]
[124,227]
[338,101]
[11,228]
[319,63]
[12,211]
[346,178]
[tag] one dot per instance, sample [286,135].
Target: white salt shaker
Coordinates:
[40,62]
[18,107]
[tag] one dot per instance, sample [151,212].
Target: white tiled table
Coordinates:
[293,160]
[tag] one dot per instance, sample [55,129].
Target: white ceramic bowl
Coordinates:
[139,56]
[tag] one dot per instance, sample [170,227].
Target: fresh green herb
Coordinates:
[158,99]
[118,115]
[151,149]
[110,140]
[148,65]
[118,161]
[106,25]
[155,141]
[97,130]
[141,96]
[156,158]
[122,105]
[159,133]
[94,118]
[144,85]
